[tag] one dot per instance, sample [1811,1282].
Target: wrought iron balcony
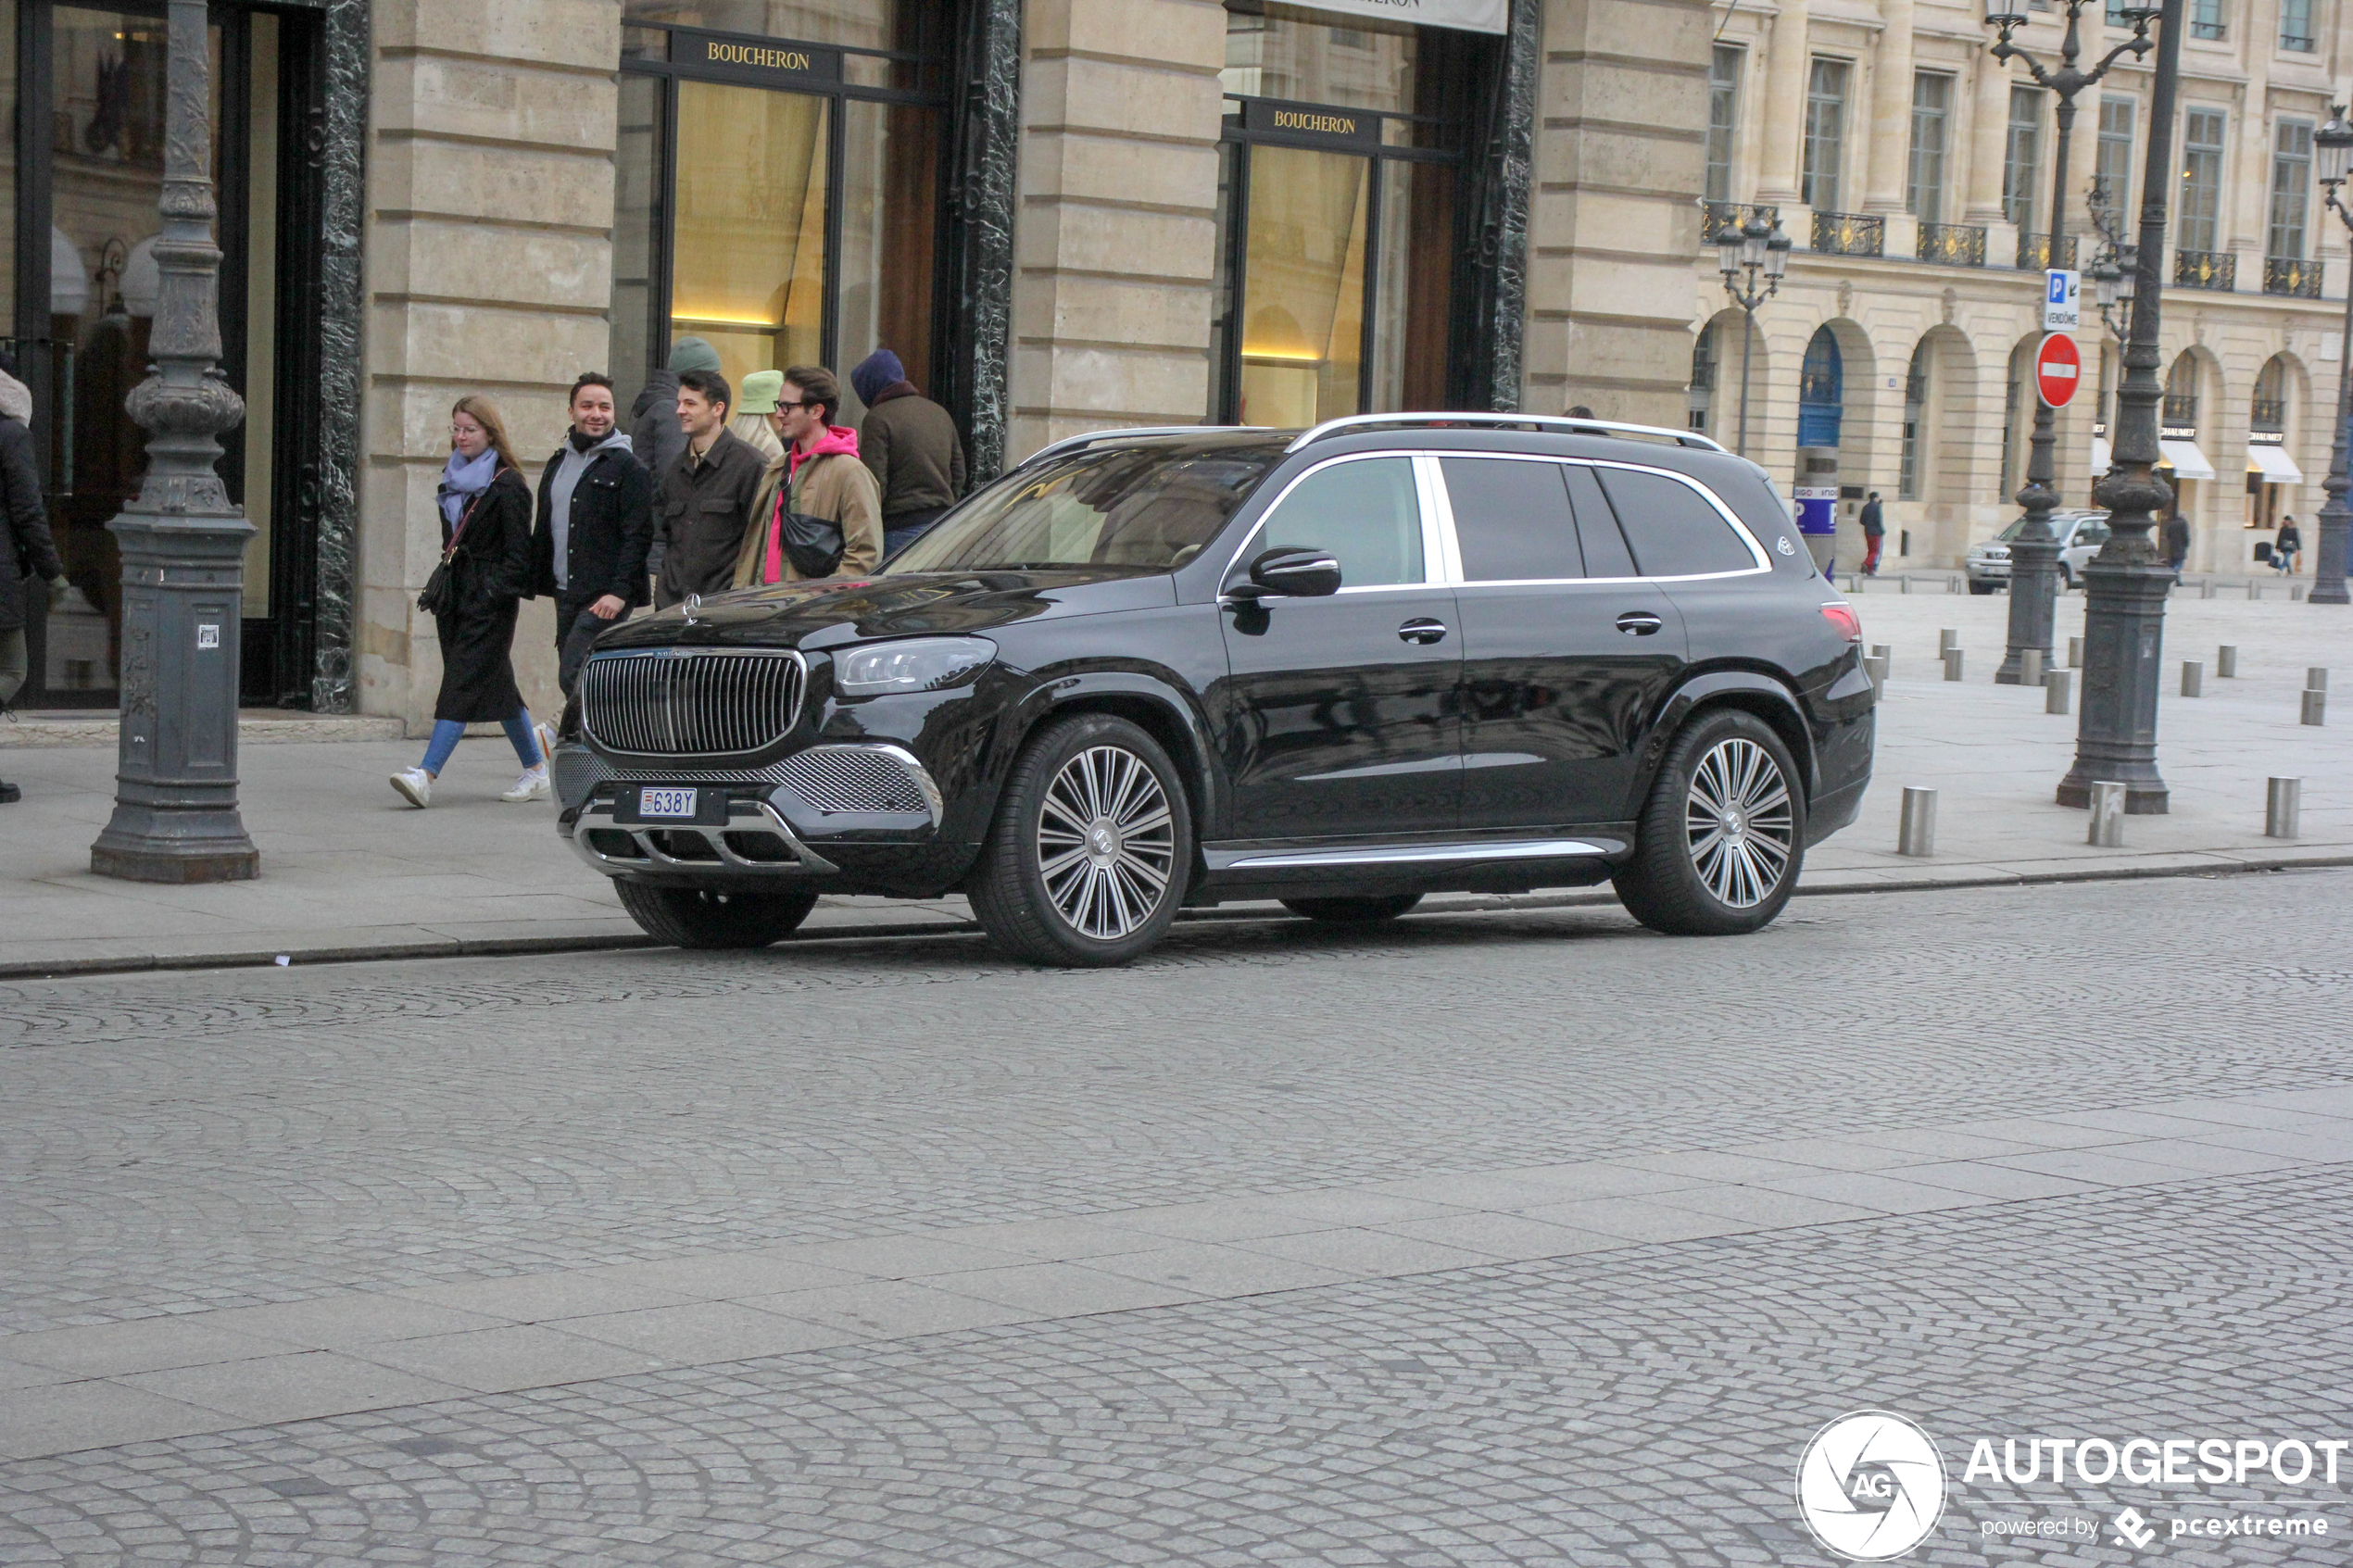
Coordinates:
[2181,410]
[2268,415]
[1956,245]
[2216,270]
[1850,233]
[1724,221]
[2035,252]
[2293,276]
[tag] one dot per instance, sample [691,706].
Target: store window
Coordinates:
[1339,215]
[778,184]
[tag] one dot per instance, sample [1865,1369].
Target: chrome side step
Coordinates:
[1409,854]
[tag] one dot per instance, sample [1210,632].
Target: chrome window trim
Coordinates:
[1453,546]
[792,719]
[1421,499]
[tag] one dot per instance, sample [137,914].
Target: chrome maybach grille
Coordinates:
[690,702]
[844,778]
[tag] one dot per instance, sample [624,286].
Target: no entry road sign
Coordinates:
[2058,369]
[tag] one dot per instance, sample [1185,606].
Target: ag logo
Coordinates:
[1870,1486]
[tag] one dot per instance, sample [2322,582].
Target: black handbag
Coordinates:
[439,598]
[812,544]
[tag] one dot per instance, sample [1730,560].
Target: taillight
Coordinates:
[1849,625]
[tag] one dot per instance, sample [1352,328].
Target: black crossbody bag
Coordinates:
[440,596]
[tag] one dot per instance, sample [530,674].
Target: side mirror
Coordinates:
[1289,573]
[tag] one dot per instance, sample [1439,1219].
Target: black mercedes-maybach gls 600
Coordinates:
[1391,656]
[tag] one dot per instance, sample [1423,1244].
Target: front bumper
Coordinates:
[1983,571]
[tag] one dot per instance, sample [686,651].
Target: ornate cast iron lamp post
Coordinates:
[1760,247]
[184,543]
[2125,585]
[2334,141]
[2034,554]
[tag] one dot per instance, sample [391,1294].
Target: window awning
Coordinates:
[2274,464]
[2185,460]
[2100,457]
[1477,16]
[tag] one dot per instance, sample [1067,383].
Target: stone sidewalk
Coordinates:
[349,872]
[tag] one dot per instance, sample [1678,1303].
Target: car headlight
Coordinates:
[919,664]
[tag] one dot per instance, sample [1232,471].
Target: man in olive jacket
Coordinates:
[909,444]
[706,493]
[820,476]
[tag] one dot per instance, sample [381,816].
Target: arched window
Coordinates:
[2268,415]
[1907,473]
[1821,391]
[1702,389]
[2181,393]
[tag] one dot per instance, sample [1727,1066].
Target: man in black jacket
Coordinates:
[28,553]
[706,493]
[596,521]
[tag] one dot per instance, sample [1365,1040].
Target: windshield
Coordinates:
[1149,507]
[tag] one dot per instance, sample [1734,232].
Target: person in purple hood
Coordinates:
[910,445]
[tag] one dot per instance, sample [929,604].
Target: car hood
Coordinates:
[829,613]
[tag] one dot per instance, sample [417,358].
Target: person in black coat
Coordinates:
[27,549]
[654,435]
[596,521]
[486,542]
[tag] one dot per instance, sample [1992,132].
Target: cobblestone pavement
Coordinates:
[1877,1157]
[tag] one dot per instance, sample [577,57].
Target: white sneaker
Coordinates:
[414,785]
[533,785]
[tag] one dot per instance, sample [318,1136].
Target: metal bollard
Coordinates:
[1884,650]
[1915,832]
[2057,687]
[2206,589]
[1875,672]
[1947,640]
[1952,664]
[2029,667]
[2316,706]
[2283,808]
[2295,592]
[2107,816]
[2226,662]
[1903,585]
[2075,653]
[2316,678]
[2193,678]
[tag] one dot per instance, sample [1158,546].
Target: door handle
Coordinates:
[1423,630]
[1638,623]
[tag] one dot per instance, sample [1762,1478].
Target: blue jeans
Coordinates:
[448,733]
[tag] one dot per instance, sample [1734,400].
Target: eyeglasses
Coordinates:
[808,403]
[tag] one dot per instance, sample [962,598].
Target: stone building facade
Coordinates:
[1913,172]
[1063,214]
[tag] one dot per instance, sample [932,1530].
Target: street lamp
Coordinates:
[1758,249]
[2335,145]
[184,543]
[2034,554]
[2125,585]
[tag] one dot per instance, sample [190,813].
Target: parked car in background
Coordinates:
[2081,535]
[1391,656]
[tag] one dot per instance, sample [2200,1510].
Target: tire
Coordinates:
[1981,587]
[1092,849]
[1689,876]
[707,917]
[2067,579]
[1353,911]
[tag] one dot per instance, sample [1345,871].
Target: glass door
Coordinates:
[1303,267]
[748,270]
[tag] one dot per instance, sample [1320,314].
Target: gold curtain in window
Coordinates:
[1303,286]
[749,271]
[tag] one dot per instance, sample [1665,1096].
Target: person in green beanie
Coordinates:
[755,400]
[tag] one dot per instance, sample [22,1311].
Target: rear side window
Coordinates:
[1366,513]
[1674,532]
[1605,552]
[1512,519]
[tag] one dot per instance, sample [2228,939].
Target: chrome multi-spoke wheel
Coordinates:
[1092,849]
[1738,822]
[1106,843]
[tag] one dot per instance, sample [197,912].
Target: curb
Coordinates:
[508,947]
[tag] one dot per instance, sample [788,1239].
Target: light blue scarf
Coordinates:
[461,479]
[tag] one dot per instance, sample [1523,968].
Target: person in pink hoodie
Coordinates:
[818,479]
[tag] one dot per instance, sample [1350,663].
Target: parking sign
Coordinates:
[2061,309]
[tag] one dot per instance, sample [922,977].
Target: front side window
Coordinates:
[1671,529]
[2291,189]
[1512,519]
[1931,111]
[2020,156]
[1366,513]
[2201,179]
[1723,118]
[1149,507]
[1825,134]
[2295,26]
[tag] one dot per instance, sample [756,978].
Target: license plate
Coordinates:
[651,805]
[669,803]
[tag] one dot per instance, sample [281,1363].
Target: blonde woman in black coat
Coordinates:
[485,540]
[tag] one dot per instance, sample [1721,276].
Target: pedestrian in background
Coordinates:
[706,493]
[27,551]
[596,523]
[1874,531]
[819,477]
[2287,546]
[485,543]
[2177,542]
[755,400]
[910,445]
[654,436]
